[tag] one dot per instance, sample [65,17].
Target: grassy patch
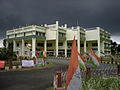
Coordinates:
[99,83]
[51,88]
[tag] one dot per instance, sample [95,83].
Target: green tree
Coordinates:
[7,54]
[113,47]
[118,49]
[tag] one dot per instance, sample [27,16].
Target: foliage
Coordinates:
[16,63]
[113,48]
[7,54]
[101,83]
[25,58]
[41,56]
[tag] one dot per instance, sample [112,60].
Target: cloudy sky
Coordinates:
[88,13]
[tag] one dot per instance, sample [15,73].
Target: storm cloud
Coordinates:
[88,13]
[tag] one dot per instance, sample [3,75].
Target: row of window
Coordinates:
[37,33]
[61,34]
[104,36]
[59,44]
[82,34]
[40,34]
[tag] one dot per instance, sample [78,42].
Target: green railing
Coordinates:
[61,37]
[27,37]
[107,47]
[102,38]
[105,39]
[82,38]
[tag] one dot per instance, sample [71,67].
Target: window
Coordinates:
[15,35]
[87,45]
[81,45]
[24,34]
[61,34]
[69,44]
[40,44]
[37,33]
[49,44]
[60,44]
[40,34]
[17,44]
[43,34]
[94,44]
[8,36]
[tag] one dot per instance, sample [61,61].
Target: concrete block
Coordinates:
[14,67]
[6,68]
[19,66]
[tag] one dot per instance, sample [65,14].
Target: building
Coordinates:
[57,40]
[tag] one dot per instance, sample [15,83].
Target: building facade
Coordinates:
[57,40]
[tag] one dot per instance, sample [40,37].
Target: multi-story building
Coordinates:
[56,40]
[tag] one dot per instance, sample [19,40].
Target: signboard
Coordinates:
[2,64]
[39,62]
[27,63]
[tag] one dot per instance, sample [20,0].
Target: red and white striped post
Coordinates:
[10,64]
[58,81]
[88,71]
[118,69]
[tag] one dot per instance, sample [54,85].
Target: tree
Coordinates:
[118,49]
[113,47]
[4,43]
[7,54]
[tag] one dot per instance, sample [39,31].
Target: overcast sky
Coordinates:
[88,13]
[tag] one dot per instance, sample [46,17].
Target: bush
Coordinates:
[7,54]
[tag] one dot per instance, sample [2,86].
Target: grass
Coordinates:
[30,68]
[99,83]
[51,88]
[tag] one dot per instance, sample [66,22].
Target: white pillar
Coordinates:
[98,48]
[65,26]
[65,48]
[6,44]
[78,39]
[23,44]
[98,41]
[45,48]
[14,45]
[85,46]
[54,52]
[103,46]
[56,47]
[56,38]
[33,47]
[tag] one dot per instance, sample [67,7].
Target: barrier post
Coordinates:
[118,69]
[88,73]
[59,81]
[10,64]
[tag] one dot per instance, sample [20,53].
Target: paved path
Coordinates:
[29,80]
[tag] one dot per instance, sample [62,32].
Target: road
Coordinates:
[39,79]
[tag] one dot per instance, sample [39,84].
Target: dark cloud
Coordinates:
[89,13]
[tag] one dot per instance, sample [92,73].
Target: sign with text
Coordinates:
[2,64]
[27,63]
